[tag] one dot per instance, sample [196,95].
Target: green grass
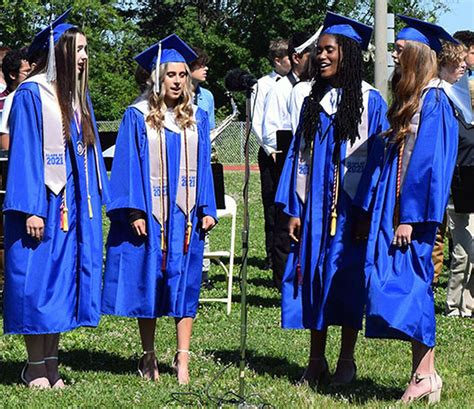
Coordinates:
[100,364]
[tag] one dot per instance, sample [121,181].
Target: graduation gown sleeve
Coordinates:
[207,202]
[27,149]
[127,184]
[378,124]
[286,196]
[425,191]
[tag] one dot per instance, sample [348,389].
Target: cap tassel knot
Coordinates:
[51,68]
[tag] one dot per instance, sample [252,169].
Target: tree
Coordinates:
[235,33]
[112,43]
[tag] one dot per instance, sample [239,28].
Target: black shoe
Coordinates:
[207,285]
[268,264]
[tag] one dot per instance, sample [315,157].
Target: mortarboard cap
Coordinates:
[337,24]
[41,40]
[424,32]
[173,49]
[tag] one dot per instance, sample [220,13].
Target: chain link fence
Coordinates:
[229,145]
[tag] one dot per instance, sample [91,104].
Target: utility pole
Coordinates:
[381,71]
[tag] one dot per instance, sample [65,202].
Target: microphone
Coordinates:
[239,80]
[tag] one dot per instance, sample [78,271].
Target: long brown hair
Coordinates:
[418,67]
[70,87]
[183,109]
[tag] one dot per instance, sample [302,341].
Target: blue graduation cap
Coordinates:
[58,27]
[170,49]
[424,32]
[337,24]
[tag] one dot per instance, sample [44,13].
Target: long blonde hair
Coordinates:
[183,109]
[418,66]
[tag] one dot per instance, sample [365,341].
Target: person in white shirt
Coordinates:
[15,68]
[278,56]
[277,124]
[3,51]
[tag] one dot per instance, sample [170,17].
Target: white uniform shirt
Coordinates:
[4,128]
[299,92]
[275,114]
[257,100]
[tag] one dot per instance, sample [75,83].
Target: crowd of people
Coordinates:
[354,193]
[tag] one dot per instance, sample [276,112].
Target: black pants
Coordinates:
[281,246]
[266,165]
[277,240]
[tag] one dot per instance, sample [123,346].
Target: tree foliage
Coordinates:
[234,33]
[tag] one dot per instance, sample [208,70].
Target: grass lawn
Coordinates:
[100,364]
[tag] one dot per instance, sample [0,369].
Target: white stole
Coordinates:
[53,136]
[54,148]
[157,151]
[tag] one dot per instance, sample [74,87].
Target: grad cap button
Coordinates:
[41,40]
[173,49]
[424,32]
[347,27]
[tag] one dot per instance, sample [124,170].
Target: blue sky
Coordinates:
[461,16]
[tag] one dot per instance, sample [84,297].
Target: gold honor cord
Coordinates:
[89,202]
[63,217]
[335,195]
[78,118]
[187,237]
[163,211]
[396,214]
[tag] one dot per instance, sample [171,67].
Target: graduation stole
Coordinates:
[356,153]
[54,147]
[405,148]
[187,177]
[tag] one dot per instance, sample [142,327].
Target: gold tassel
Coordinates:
[163,241]
[187,237]
[64,219]
[332,231]
[89,204]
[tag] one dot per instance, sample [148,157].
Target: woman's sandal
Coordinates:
[341,380]
[182,380]
[155,374]
[433,394]
[58,382]
[322,377]
[41,383]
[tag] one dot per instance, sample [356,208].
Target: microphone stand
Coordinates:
[245,248]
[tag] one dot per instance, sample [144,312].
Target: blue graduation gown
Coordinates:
[134,284]
[54,285]
[332,290]
[400,301]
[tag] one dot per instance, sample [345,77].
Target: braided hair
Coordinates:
[350,105]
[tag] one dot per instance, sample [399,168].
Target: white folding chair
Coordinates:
[229,211]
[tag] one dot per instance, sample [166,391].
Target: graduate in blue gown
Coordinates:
[162,205]
[323,282]
[407,202]
[53,221]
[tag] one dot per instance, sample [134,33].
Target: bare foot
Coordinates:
[180,367]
